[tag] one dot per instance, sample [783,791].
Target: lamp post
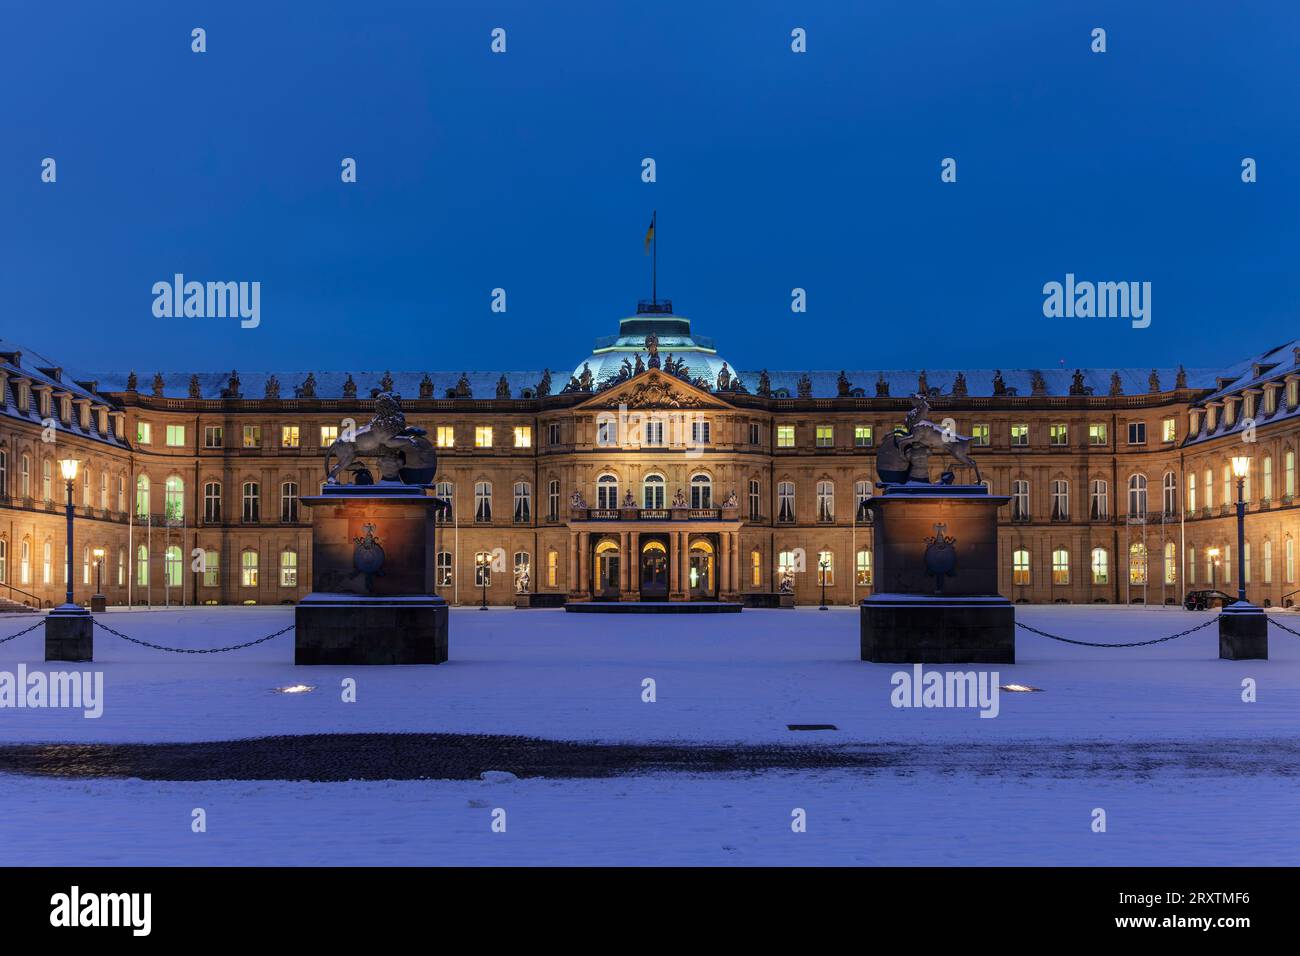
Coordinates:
[1213,555]
[823,565]
[68,631]
[1243,627]
[483,560]
[97,600]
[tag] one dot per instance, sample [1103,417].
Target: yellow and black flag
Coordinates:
[650,233]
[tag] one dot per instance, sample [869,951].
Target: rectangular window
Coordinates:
[143,433]
[755,434]
[553,433]
[446,436]
[1137,433]
[288,436]
[784,436]
[862,436]
[482,436]
[329,434]
[1168,430]
[1019,434]
[288,569]
[523,436]
[176,436]
[1058,435]
[252,436]
[211,569]
[980,435]
[654,432]
[825,436]
[1097,434]
[700,432]
[212,436]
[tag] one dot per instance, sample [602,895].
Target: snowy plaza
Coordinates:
[1159,737]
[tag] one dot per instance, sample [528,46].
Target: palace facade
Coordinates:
[652,471]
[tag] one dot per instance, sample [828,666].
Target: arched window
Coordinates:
[85,564]
[121,494]
[141,496]
[288,568]
[1060,566]
[25,562]
[248,569]
[174,500]
[444,569]
[172,566]
[756,569]
[861,493]
[141,565]
[85,487]
[1020,566]
[47,481]
[652,491]
[1267,469]
[212,502]
[1100,566]
[47,564]
[1268,561]
[103,490]
[825,500]
[1191,491]
[483,569]
[1288,474]
[1020,500]
[1137,562]
[1191,564]
[523,572]
[523,502]
[289,502]
[785,501]
[1171,563]
[864,568]
[1169,493]
[1209,487]
[211,568]
[1060,500]
[1099,502]
[252,502]
[607,492]
[483,501]
[26,476]
[4,473]
[701,491]
[1137,495]
[1228,496]
[121,567]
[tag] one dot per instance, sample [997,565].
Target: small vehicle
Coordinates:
[1206,598]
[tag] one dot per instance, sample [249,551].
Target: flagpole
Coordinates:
[654,260]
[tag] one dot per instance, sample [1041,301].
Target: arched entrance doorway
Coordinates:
[605,572]
[654,569]
[700,573]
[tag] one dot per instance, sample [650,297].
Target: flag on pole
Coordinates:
[650,234]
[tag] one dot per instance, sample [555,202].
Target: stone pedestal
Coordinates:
[374,559]
[98,603]
[936,599]
[69,634]
[1243,632]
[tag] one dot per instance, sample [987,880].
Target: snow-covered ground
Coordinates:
[731,678]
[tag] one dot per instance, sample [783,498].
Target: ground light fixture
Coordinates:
[1020,689]
[295,689]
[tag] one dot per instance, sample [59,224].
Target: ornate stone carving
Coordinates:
[805,386]
[426,386]
[999,383]
[272,387]
[403,453]
[1153,381]
[653,392]
[349,387]
[131,382]
[1116,384]
[308,387]
[196,390]
[764,384]
[159,385]
[544,386]
[959,386]
[882,386]
[1037,384]
[843,386]
[503,387]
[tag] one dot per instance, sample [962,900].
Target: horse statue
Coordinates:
[403,452]
[905,455]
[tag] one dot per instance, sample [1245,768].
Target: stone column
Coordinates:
[573,563]
[674,549]
[634,564]
[624,549]
[724,563]
[683,561]
[584,564]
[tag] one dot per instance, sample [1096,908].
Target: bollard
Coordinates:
[69,635]
[1243,632]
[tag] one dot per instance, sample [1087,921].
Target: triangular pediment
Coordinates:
[654,389]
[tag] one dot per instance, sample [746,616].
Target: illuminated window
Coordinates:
[523,436]
[825,568]
[252,436]
[143,433]
[1058,435]
[482,436]
[1020,567]
[1168,430]
[248,569]
[980,435]
[862,436]
[176,436]
[329,434]
[172,566]
[1060,566]
[784,436]
[864,568]
[288,569]
[1100,566]
[1019,434]
[211,569]
[825,436]
[446,436]
[288,436]
[1097,433]
[1137,563]
[552,569]
[755,569]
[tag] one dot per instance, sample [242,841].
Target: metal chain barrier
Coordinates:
[23,631]
[192,650]
[1274,621]
[1158,640]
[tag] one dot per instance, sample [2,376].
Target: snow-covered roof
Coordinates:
[19,362]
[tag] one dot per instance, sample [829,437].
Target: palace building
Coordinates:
[653,470]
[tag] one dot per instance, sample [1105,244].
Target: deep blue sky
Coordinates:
[523,171]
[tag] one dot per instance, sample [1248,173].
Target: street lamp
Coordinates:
[68,468]
[1213,555]
[1240,469]
[823,565]
[97,600]
[483,560]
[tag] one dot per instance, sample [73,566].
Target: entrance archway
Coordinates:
[654,570]
[605,572]
[700,577]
